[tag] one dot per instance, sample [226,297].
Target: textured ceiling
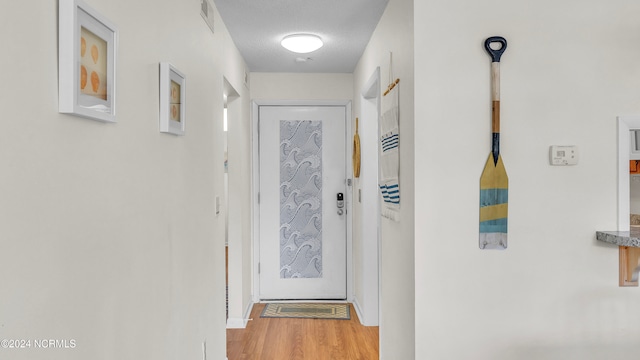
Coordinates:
[258,26]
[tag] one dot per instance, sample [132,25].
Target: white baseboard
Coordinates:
[235,323]
[356,305]
[363,320]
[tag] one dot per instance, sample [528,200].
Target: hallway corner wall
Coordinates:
[240,187]
[394,33]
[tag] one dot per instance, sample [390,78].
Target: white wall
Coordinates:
[570,68]
[108,231]
[301,86]
[395,33]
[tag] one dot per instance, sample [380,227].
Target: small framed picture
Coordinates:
[172,99]
[87,44]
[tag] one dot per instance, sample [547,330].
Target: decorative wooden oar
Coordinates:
[494,183]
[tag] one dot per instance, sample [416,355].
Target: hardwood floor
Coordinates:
[302,339]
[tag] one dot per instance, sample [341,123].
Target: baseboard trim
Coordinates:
[356,306]
[236,323]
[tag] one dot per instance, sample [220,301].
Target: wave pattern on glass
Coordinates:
[300,199]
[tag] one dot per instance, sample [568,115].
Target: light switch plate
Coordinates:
[563,155]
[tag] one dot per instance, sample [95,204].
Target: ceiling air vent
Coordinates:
[206,10]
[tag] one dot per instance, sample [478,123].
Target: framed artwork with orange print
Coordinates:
[87,62]
[172,99]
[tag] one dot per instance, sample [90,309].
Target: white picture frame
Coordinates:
[172,99]
[87,45]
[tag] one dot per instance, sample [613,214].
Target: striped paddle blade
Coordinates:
[494,199]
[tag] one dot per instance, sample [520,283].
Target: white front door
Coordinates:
[302,230]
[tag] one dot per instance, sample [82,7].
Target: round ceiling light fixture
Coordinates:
[302,43]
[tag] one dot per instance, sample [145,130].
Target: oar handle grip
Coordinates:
[497,53]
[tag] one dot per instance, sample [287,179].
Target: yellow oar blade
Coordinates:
[494,199]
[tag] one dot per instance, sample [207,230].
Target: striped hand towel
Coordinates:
[390,156]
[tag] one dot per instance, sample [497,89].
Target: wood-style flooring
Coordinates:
[302,339]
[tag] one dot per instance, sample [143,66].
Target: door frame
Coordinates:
[370,103]
[625,125]
[255,183]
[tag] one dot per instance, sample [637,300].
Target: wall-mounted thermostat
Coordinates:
[563,155]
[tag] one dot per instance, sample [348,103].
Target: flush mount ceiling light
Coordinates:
[302,43]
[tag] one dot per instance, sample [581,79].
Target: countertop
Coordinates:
[621,238]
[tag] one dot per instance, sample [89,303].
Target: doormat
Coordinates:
[307,311]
